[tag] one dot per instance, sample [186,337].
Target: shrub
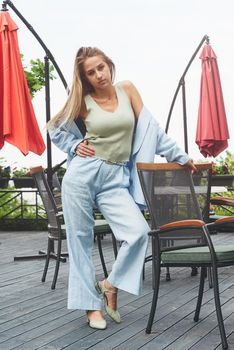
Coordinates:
[5,170]
[20,172]
[224,165]
[35,75]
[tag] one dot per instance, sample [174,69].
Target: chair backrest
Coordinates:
[57,191]
[202,180]
[46,196]
[171,196]
[56,183]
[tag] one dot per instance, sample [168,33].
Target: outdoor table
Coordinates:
[185,189]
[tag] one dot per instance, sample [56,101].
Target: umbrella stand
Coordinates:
[48,57]
[182,84]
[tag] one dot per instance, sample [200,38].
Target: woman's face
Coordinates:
[97,72]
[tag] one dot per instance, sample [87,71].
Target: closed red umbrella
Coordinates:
[212,129]
[18,124]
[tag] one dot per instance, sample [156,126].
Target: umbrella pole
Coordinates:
[185,118]
[182,84]
[48,141]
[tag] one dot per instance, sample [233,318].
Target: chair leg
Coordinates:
[143,272]
[194,271]
[101,255]
[57,264]
[210,279]
[218,308]
[114,243]
[200,294]
[49,249]
[168,276]
[155,298]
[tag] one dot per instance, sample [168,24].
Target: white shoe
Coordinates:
[97,324]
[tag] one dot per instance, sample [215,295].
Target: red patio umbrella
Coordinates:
[18,124]
[212,129]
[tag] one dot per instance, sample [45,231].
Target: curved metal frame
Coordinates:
[29,26]
[182,84]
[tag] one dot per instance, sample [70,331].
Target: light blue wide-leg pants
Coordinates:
[91,182]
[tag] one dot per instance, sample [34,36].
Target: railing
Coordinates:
[22,208]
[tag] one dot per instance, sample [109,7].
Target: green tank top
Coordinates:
[110,133]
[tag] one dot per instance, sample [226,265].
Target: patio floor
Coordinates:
[32,316]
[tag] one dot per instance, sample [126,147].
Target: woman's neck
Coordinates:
[104,94]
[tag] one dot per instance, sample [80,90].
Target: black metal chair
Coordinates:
[199,179]
[99,231]
[180,237]
[56,227]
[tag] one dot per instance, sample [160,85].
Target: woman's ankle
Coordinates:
[109,286]
[97,314]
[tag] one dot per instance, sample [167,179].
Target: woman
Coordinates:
[102,173]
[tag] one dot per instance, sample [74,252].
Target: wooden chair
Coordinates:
[56,227]
[180,237]
[222,201]
[226,203]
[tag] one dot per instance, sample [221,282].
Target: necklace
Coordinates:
[105,99]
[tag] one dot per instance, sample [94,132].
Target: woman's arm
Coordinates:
[66,138]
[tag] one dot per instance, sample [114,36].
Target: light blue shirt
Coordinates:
[149,139]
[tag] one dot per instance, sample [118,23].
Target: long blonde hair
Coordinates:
[80,86]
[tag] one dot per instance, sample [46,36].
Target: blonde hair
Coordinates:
[80,86]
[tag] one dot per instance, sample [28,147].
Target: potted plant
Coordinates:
[22,178]
[223,171]
[5,172]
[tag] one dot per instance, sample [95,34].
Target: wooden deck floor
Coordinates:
[32,316]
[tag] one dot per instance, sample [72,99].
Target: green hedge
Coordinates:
[23,225]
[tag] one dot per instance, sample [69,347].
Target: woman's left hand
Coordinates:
[191,166]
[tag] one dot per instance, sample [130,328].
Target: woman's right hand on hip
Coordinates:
[83,150]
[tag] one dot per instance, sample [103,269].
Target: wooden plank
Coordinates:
[34,317]
[167,315]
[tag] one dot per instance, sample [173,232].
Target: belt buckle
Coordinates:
[108,162]
[116,163]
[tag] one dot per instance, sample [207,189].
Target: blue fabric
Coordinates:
[149,139]
[92,182]
[66,138]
